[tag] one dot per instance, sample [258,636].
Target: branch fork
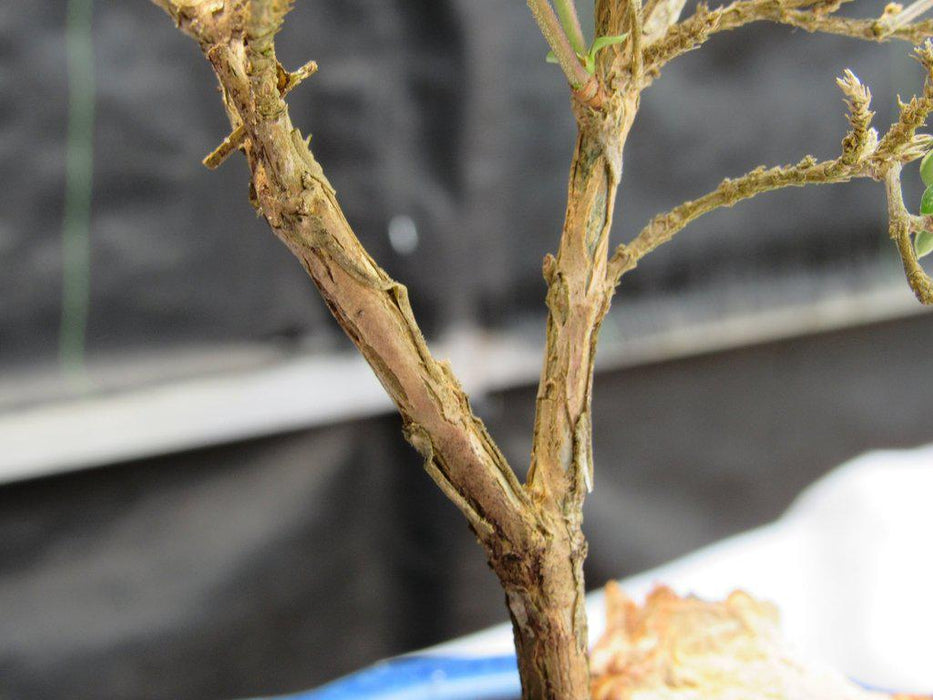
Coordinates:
[532,532]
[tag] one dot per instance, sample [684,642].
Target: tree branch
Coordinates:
[863,155]
[561,472]
[288,81]
[901,226]
[299,204]
[567,11]
[586,88]
[578,296]
[664,227]
[637,40]
[809,15]
[551,29]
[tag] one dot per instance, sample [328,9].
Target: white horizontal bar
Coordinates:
[316,390]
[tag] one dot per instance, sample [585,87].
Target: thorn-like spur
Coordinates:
[295,78]
[288,81]
[213,160]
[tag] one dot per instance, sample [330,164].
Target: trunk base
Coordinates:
[546,600]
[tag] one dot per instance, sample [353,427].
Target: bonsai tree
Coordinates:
[531,532]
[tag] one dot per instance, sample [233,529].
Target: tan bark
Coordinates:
[532,534]
[546,601]
[535,553]
[578,298]
[294,196]
[561,472]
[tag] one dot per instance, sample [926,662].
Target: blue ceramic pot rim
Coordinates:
[429,677]
[426,678]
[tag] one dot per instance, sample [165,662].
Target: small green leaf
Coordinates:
[601,42]
[589,59]
[926,202]
[926,169]
[923,243]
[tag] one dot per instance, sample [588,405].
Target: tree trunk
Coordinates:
[531,533]
[545,592]
[546,601]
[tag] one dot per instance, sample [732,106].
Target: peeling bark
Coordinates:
[294,196]
[546,601]
[532,533]
[549,617]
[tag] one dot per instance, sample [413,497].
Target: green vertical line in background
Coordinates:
[79,170]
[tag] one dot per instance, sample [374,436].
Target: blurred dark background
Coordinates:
[766,346]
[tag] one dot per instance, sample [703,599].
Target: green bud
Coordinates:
[926,201]
[923,243]
[926,169]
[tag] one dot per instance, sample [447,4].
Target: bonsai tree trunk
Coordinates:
[532,532]
[546,603]
[546,599]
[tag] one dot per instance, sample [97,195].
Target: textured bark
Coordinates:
[578,298]
[546,601]
[549,618]
[532,533]
[290,190]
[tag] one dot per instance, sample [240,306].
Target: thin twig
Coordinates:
[567,11]
[809,15]
[901,226]
[664,227]
[636,33]
[863,155]
[550,27]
